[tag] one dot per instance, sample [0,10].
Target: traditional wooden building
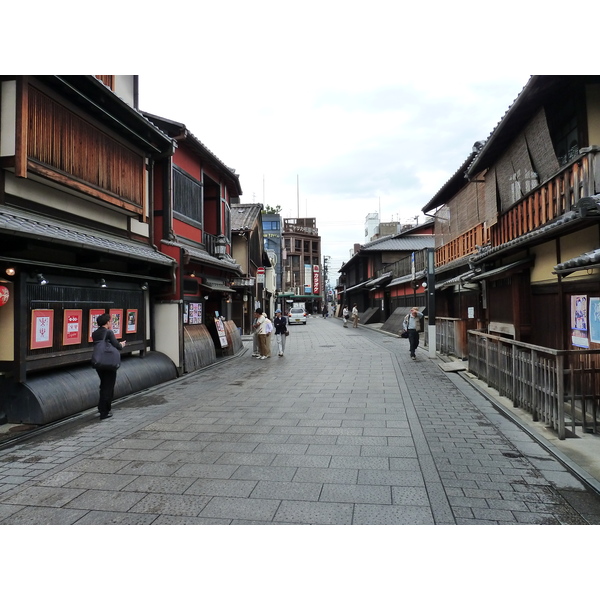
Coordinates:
[193,193]
[76,240]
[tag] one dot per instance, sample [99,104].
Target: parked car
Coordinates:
[297,315]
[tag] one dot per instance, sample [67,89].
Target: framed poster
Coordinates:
[116,321]
[195,313]
[132,318]
[42,328]
[221,332]
[72,325]
[579,322]
[94,314]
[594,318]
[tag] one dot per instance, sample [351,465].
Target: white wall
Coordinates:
[167,331]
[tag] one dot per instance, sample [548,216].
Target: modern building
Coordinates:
[302,270]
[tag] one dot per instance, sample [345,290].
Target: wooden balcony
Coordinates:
[548,201]
[65,147]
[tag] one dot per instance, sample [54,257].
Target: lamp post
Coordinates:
[431,301]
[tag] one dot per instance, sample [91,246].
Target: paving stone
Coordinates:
[373,494]
[235,488]
[314,513]
[169,504]
[42,515]
[258,473]
[241,508]
[392,515]
[106,500]
[287,490]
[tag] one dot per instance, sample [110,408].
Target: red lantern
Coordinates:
[4,295]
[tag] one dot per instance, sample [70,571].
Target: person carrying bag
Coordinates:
[106,359]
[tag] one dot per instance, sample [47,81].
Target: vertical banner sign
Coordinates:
[72,326]
[116,322]
[94,314]
[221,331]
[42,328]
[316,286]
[579,322]
[307,279]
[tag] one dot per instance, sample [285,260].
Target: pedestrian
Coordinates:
[255,349]
[412,325]
[269,332]
[325,312]
[345,315]
[259,326]
[355,316]
[108,377]
[281,331]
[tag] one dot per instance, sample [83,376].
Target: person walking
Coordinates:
[412,325]
[355,316]
[260,327]
[281,331]
[325,312]
[345,315]
[108,377]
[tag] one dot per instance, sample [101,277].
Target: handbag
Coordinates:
[404,334]
[105,356]
[287,333]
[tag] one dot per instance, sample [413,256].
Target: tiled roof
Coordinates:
[244,216]
[42,228]
[400,242]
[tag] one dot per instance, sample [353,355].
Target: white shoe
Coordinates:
[281,354]
[263,357]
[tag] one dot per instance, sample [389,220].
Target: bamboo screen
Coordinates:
[529,161]
[465,211]
[62,140]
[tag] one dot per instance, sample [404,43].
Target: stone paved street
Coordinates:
[344,429]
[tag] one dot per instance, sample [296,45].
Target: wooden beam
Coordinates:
[21,130]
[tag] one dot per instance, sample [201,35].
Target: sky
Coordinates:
[328,109]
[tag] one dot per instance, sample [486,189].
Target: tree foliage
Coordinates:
[271,210]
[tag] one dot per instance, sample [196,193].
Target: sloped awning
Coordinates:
[514,267]
[213,287]
[203,257]
[26,225]
[358,286]
[459,279]
[588,260]
[407,278]
[380,280]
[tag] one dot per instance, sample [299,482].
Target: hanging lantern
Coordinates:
[4,295]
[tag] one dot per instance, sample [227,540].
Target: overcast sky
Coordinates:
[329,109]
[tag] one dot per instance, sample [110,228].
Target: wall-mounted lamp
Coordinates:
[206,297]
[101,283]
[144,286]
[424,285]
[41,279]
[221,245]
[10,271]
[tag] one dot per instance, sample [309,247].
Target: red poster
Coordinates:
[116,322]
[94,314]
[72,325]
[132,317]
[42,328]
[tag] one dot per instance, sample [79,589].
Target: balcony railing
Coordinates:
[209,242]
[549,200]
[559,387]
[404,265]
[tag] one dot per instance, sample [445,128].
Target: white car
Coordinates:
[296,316]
